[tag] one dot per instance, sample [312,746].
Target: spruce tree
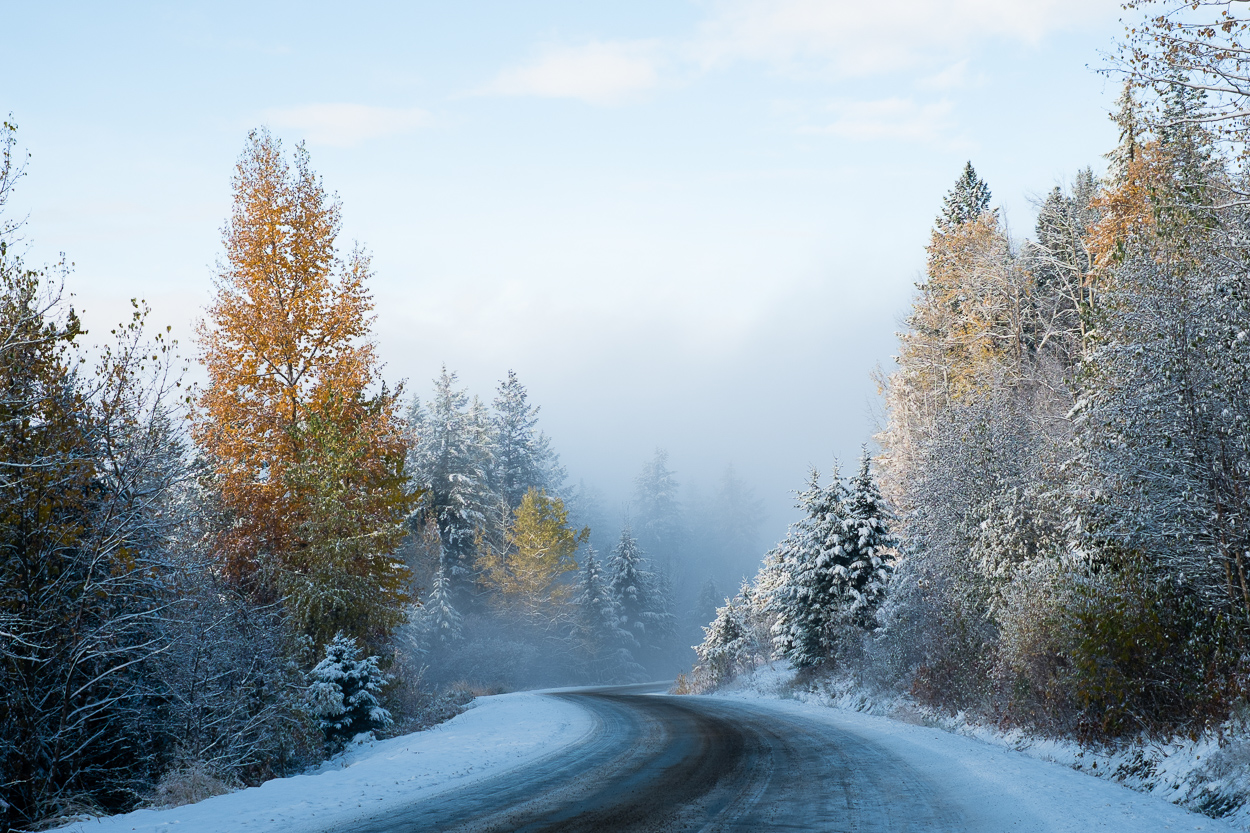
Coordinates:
[522,457]
[450,461]
[439,621]
[723,648]
[708,602]
[806,598]
[869,546]
[968,200]
[642,601]
[629,584]
[658,510]
[343,694]
[597,633]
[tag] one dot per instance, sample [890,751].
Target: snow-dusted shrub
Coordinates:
[191,783]
[1036,638]
[1148,658]
[343,694]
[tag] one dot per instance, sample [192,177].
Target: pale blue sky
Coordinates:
[687,224]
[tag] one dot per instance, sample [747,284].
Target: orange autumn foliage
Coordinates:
[290,364]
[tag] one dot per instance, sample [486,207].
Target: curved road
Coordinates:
[660,763]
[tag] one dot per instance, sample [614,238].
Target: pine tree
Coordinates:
[522,457]
[343,693]
[967,201]
[343,577]
[450,462]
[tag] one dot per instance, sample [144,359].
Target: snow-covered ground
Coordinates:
[496,734]
[1210,774]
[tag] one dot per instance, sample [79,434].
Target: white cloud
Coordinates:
[344,125]
[598,72]
[888,119]
[851,37]
[954,76]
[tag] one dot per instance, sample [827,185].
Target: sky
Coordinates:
[688,225]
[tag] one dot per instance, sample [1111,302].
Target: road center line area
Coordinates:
[623,759]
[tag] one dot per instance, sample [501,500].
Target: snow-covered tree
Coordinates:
[721,652]
[597,633]
[89,464]
[707,603]
[658,511]
[806,599]
[521,455]
[642,607]
[968,200]
[437,620]
[833,567]
[450,460]
[868,548]
[343,693]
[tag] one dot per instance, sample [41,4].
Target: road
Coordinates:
[663,763]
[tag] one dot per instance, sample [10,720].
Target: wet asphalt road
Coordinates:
[662,763]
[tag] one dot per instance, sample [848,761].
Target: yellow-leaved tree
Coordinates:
[305,440]
[539,549]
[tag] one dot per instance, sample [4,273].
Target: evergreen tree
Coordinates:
[724,644]
[343,694]
[967,201]
[438,621]
[707,603]
[522,457]
[869,546]
[450,461]
[597,633]
[629,583]
[657,507]
[642,605]
[811,597]
[344,577]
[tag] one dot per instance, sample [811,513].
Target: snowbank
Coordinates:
[1210,775]
[496,734]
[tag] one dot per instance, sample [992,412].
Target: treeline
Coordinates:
[517,594]
[527,581]
[1066,454]
[203,589]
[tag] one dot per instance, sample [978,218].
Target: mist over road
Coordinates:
[665,763]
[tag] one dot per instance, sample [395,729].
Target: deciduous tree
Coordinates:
[304,444]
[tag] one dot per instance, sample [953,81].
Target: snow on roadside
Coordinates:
[1210,775]
[494,735]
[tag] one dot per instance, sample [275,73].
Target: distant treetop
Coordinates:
[968,200]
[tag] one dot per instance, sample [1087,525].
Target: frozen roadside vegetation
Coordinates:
[1210,775]
[494,735]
